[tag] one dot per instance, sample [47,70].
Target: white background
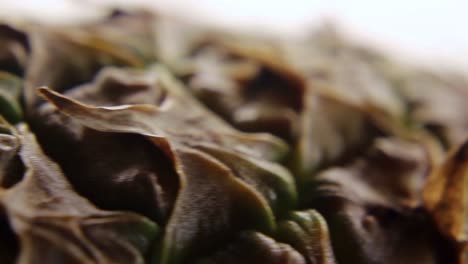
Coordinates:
[430,31]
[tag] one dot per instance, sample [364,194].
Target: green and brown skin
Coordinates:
[128,141]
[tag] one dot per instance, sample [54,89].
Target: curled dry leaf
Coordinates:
[338,69]
[113,170]
[373,207]
[446,195]
[174,40]
[438,103]
[355,81]
[331,133]
[56,225]
[255,89]
[126,35]
[216,197]
[348,101]
[98,45]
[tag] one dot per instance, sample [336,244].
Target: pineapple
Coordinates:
[144,139]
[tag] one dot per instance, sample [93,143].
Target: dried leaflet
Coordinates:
[446,196]
[373,207]
[98,45]
[334,67]
[114,170]
[331,132]
[55,225]
[255,89]
[347,102]
[441,108]
[209,207]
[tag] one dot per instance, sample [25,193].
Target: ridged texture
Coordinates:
[143,139]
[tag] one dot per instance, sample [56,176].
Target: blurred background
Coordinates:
[431,32]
